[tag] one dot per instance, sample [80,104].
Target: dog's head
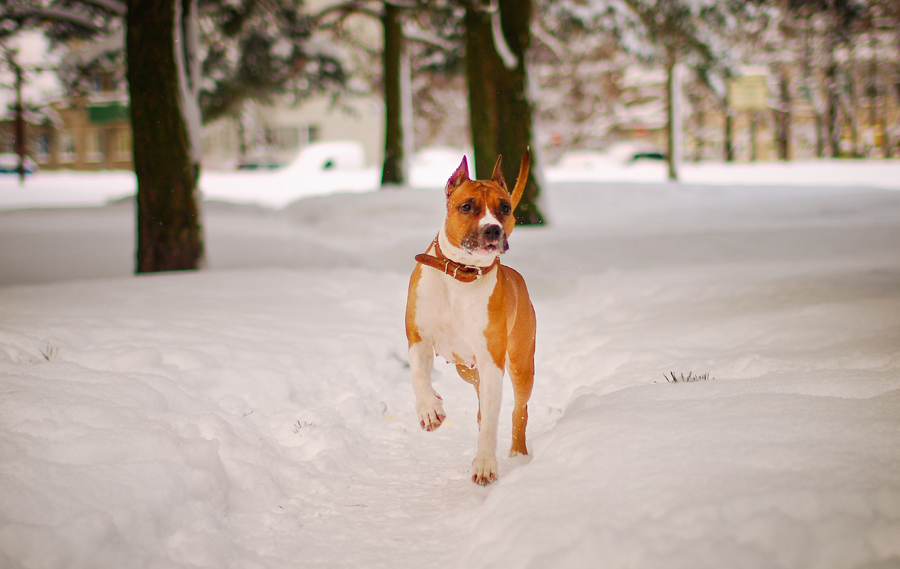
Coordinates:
[480,212]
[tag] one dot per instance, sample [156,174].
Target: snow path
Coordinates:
[256,411]
[259,414]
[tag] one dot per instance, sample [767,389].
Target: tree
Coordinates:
[257,50]
[827,82]
[500,109]
[163,78]
[400,33]
[580,69]
[19,121]
[393,171]
[161,41]
[252,50]
[393,70]
[693,32]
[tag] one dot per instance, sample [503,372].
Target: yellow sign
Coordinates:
[748,93]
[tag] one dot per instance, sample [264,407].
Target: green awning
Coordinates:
[114,112]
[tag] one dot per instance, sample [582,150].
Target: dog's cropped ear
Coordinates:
[497,176]
[522,179]
[459,177]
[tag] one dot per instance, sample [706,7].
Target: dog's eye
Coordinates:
[505,208]
[466,207]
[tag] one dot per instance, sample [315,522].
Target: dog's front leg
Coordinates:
[490,394]
[428,402]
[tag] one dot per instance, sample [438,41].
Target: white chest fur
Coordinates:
[451,316]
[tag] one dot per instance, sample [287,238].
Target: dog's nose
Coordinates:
[492,232]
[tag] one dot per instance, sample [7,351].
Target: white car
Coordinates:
[9,164]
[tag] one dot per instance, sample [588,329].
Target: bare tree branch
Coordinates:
[50,13]
[114,6]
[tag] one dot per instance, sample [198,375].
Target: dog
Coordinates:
[466,307]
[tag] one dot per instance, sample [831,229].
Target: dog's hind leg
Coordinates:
[521,373]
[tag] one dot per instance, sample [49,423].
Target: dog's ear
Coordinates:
[459,177]
[497,176]
[522,179]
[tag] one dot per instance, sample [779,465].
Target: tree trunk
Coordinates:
[820,137]
[754,126]
[19,124]
[392,172]
[833,111]
[481,61]
[729,134]
[673,111]
[784,118]
[811,89]
[500,111]
[169,235]
[698,135]
[850,104]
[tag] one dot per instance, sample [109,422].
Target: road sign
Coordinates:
[748,93]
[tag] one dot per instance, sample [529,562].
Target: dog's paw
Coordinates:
[484,470]
[431,413]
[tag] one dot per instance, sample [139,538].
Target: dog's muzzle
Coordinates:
[489,238]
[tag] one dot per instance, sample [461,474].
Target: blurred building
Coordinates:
[269,136]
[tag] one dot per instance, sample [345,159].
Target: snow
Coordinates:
[258,413]
[305,176]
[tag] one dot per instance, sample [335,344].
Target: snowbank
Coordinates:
[258,413]
[429,169]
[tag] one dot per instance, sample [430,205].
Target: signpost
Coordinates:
[749,92]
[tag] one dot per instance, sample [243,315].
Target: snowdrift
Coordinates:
[258,413]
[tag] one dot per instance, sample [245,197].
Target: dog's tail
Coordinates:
[519,189]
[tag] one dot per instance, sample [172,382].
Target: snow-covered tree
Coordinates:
[253,50]
[400,35]
[247,50]
[188,61]
[580,67]
[701,34]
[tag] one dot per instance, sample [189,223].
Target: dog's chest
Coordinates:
[454,315]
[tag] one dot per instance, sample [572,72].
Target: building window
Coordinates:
[283,137]
[41,147]
[92,146]
[66,147]
[123,145]
[314,133]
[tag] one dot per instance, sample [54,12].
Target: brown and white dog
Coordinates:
[466,307]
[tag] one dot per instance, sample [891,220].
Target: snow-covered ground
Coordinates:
[278,188]
[258,413]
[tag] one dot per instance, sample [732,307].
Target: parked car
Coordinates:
[9,164]
[647,155]
[621,153]
[338,156]
[259,163]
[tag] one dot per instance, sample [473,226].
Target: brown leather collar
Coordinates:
[460,272]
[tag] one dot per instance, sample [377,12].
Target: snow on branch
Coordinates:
[555,46]
[87,52]
[186,47]
[343,10]
[415,33]
[510,61]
